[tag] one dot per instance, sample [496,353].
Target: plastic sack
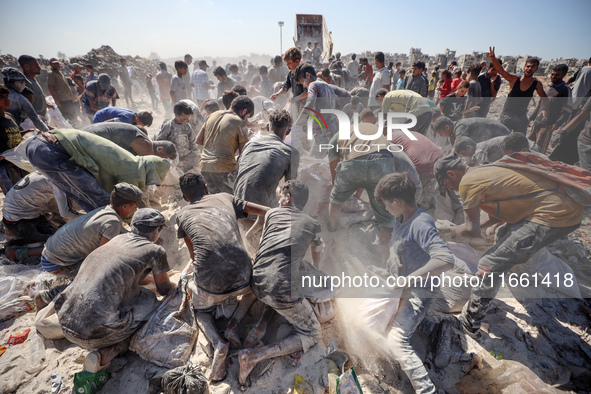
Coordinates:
[17,289]
[186,379]
[55,118]
[547,268]
[90,383]
[348,383]
[377,313]
[17,155]
[168,337]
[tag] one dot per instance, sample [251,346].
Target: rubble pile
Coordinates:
[106,60]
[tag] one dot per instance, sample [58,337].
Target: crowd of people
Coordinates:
[239,145]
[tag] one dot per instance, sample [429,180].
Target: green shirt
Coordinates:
[109,163]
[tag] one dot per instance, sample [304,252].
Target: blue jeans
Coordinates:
[54,162]
[412,311]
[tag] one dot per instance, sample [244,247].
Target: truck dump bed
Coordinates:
[312,28]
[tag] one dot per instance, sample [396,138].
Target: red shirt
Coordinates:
[446,87]
[454,83]
[369,73]
[423,153]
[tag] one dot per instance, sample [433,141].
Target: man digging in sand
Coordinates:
[286,237]
[221,266]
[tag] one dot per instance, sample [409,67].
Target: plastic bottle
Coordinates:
[36,352]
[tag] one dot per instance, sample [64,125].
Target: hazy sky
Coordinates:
[549,29]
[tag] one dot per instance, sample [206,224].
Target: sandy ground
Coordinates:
[541,342]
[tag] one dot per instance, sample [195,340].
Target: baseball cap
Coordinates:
[128,192]
[148,217]
[53,60]
[203,62]
[104,81]
[443,165]
[12,74]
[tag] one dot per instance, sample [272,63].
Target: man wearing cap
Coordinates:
[77,70]
[60,91]
[20,107]
[86,167]
[98,94]
[77,238]
[105,304]
[535,214]
[201,84]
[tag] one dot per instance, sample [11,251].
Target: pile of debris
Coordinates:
[103,59]
[106,60]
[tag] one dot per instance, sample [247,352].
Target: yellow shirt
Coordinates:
[224,132]
[405,101]
[515,195]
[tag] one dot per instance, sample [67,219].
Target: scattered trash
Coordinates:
[2,350]
[293,358]
[56,382]
[301,386]
[36,353]
[18,337]
[90,383]
[348,383]
[496,354]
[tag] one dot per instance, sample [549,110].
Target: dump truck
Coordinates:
[312,28]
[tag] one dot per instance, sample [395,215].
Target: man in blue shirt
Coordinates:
[98,94]
[124,115]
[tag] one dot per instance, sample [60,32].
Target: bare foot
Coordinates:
[247,364]
[254,337]
[232,336]
[218,365]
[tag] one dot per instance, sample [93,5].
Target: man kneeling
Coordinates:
[287,235]
[105,303]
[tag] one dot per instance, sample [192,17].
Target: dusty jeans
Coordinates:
[52,160]
[411,313]
[519,242]
[359,173]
